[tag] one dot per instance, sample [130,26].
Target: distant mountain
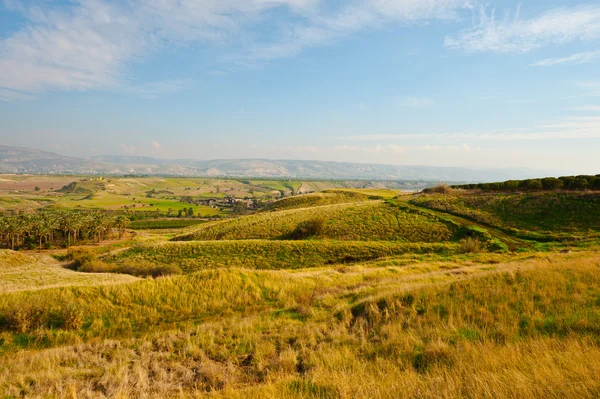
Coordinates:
[26,160]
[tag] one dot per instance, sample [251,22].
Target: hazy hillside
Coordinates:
[25,160]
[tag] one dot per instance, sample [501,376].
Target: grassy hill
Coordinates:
[268,255]
[555,214]
[367,221]
[329,197]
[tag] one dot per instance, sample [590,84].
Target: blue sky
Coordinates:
[430,82]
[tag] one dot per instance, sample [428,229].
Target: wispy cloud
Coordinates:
[12,95]
[592,88]
[324,28]
[585,127]
[92,44]
[577,59]
[588,108]
[512,34]
[152,90]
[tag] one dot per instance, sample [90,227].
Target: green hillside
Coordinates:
[551,213]
[329,197]
[366,221]
[268,255]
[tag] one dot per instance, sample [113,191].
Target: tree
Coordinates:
[122,222]
[190,212]
[531,184]
[551,183]
[511,185]
[36,188]
[240,207]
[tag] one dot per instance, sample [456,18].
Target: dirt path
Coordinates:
[494,232]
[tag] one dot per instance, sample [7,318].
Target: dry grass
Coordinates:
[520,329]
[20,272]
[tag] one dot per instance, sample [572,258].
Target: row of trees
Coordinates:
[574,183]
[62,228]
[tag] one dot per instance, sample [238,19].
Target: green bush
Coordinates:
[308,229]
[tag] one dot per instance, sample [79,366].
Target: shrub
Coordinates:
[470,245]
[439,189]
[551,183]
[79,257]
[497,246]
[531,184]
[308,229]
[144,269]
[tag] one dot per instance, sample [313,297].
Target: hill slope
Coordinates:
[366,221]
[549,213]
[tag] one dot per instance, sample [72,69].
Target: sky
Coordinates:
[466,83]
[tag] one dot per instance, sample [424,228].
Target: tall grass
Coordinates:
[268,254]
[528,329]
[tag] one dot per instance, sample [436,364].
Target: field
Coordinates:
[345,293]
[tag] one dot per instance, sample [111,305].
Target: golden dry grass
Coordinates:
[522,329]
[20,272]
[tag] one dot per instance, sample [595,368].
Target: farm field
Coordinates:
[342,293]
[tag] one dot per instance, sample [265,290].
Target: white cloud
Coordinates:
[513,34]
[592,108]
[416,102]
[156,145]
[585,127]
[152,90]
[324,28]
[91,44]
[11,95]
[592,89]
[577,59]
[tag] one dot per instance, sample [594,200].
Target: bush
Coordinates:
[439,189]
[80,258]
[470,245]
[551,183]
[144,269]
[308,229]
[497,246]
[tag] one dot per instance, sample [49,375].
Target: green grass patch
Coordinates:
[164,224]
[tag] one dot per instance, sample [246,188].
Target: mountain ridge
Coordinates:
[34,161]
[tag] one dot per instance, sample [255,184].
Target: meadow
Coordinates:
[341,293]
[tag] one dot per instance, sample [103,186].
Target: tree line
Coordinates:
[59,228]
[572,183]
